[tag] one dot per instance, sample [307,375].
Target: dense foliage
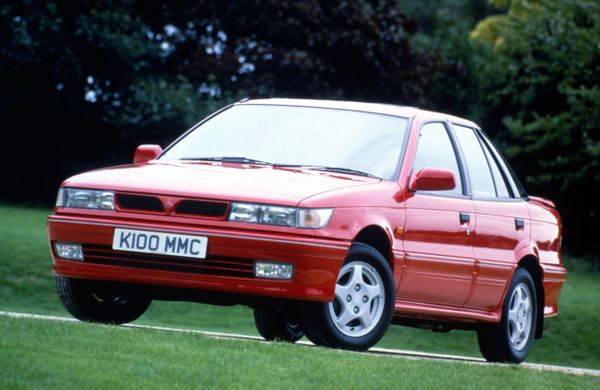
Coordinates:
[84,82]
[538,67]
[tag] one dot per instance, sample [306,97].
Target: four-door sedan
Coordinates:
[330,219]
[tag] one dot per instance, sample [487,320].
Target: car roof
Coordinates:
[377,108]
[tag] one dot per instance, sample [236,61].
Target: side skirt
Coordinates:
[438,313]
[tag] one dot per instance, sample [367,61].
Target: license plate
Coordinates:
[160,243]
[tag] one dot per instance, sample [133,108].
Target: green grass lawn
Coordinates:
[47,354]
[27,285]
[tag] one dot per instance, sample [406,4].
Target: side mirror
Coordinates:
[145,153]
[432,179]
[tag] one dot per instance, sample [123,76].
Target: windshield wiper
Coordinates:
[242,160]
[332,169]
[246,160]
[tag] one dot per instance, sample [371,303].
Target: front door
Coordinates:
[438,239]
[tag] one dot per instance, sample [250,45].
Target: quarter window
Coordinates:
[513,181]
[480,175]
[435,151]
[501,186]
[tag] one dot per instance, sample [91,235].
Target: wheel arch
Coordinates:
[376,237]
[532,265]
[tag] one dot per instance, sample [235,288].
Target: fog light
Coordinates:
[69,251]
[273,270]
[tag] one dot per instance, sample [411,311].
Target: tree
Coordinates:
[82,82]
[540,75]
[318,49]
[441,31]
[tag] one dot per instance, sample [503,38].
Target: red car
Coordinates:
[330,219]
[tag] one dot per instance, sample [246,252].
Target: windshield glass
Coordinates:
[302,136]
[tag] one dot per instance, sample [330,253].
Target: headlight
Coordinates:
[86,199]
[276,215]
[280,215]
[244,212]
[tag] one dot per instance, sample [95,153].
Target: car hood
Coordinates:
[216,180]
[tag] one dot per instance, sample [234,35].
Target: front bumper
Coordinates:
[230,254]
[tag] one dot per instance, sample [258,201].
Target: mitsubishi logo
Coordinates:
[169,204]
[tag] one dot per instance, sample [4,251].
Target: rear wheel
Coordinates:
[362,309]
[510,340]
[274,324]
[93,301]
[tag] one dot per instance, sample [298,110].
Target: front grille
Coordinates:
[139,202]
[203,208]
[212,265]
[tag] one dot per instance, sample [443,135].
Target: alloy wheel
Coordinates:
[359,299]
[519,316]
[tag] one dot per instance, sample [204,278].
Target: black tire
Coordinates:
[274,325]
[495,340]
[93,301]
[318,320]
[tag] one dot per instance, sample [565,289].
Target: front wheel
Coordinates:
[92,301]
[510,340]
[363,306]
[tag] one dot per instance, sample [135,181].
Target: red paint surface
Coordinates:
[432,179]
[145,153]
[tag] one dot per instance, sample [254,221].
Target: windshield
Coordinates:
[323,139]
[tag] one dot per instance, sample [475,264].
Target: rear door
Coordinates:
[502,218]
[437,235]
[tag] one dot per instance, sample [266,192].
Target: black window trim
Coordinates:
[459,161]
[462,166]
[483,146]
[507,183]
[466,184]
[489,164]
[515,186]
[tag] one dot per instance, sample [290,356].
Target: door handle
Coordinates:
[519,224]
[464,218]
